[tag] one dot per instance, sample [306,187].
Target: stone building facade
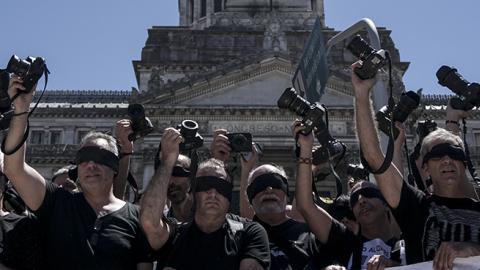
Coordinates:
[224,66]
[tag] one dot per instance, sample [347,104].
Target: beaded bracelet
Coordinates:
[304,160]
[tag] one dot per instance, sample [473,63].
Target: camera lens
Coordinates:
[449,77]
[359,47]
[188,128]
[286,98]
[18,66]
[292,101]
[408,102]
[136,111]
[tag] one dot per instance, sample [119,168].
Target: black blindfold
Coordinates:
[222,186]
[179,171]
[262,182]
[367,192]
[97,155]
[445,149]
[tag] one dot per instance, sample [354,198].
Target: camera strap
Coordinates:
[25,135]
[390,148]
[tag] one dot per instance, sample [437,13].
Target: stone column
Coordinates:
[69,137]
[183,12]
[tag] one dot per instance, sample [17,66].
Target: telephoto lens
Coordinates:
[469,92]
[312,114]
[409,101]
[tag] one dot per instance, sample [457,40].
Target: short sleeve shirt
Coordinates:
[427,221]
[354,251]
[76,238]
[293,246]
[190,248]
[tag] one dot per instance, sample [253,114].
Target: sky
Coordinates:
[90,45]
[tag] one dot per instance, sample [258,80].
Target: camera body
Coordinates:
[141,125]
[408,102]
[312,114]
[29,70]
[189,131]
[424,128]
[372,60]
[335,149]
[469,93]
[240,142]
[357,172]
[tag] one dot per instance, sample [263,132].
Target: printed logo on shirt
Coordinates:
[445,225]
[373,247]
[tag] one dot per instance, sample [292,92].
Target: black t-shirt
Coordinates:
[20,242]
[293,246]
[190,248]
[354,251]
[76,239]
[426,221]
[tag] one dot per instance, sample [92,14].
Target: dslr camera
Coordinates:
[409,101]
[335,150]
[189,131]
[312,114]
[424,128]
[30,71]
[240,142]
[372,60]
[469,93]
[141,125]
[357,172]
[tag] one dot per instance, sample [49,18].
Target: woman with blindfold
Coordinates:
[440,227]
[88,230]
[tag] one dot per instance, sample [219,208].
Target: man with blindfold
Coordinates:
[88,230]
[292,245]
[180,192]
[374,247]
[214,239]
[440,227]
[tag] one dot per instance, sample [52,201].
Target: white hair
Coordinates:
[440,135]
[94,135]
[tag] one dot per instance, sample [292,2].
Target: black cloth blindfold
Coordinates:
[97,155]
[368,192]
[179,171]
[445,149]
[222,186]
[262,182]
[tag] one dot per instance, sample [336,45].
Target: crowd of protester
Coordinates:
[80,220]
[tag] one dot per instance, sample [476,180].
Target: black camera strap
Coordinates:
[25,135]
[390,148]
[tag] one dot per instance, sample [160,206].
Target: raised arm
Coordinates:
[122,129]
[317,219]
[390,182]
[246,209]
[398,148]
[155,196]
[27,181]
[220,148]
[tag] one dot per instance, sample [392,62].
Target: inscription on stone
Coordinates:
[256,128]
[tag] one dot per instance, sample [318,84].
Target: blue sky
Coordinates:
[91,44]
